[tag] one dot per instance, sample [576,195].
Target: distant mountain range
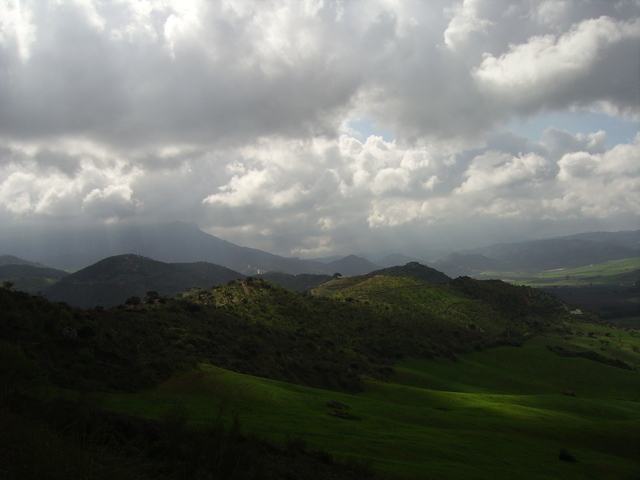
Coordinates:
[185,244]
[548,254]
[176,242]
[114,280]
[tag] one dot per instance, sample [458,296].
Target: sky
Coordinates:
[315,128]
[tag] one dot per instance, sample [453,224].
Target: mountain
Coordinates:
[112,281]
[414,270]
[11,260]
[627,239]
[29,278]
[396,259]
[176,242]
[457,264]
[555,253]
[330,259]
[350,265]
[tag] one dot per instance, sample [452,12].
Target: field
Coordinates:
[499,413]
[617,271]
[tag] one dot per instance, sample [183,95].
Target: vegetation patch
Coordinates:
[589,355]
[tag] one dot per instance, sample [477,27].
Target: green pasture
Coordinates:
[495,414]
[617,271]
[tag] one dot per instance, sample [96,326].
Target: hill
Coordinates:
[29,278]
[362,327]
[414,270]
[298,283]
[11,260]
[414,378]
[112,281]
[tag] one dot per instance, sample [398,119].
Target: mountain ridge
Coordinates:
[113,280]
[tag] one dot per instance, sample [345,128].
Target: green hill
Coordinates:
[465,379]
[256,328]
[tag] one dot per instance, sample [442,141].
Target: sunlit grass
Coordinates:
[495,414]
[609,272]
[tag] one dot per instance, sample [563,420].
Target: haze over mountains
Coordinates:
[171,258]
[176,242]
[180,242]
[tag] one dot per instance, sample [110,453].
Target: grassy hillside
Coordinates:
[298,283]
[465,379]
[499,413]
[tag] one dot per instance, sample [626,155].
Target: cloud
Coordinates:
[493,170]
[47,183]
[465,21]
[243,116]
[575,68]
[599,185]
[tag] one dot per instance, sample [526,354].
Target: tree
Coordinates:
[152,296]
[133,301]
[337,275]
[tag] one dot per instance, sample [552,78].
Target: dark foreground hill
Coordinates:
[257,328]
[447,403]
[112,281]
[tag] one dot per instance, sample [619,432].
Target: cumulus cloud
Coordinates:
[465,22]
[240,115]
[573,68]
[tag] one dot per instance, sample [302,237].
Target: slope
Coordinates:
[496,414]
